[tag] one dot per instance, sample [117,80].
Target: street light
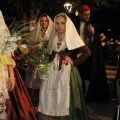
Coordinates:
[68,7]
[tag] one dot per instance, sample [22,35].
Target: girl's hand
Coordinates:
[69,60]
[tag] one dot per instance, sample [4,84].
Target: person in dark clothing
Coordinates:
[115,52]
[93,69]
[117,76]
[107,49]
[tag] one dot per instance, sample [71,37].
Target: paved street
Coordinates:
[105,111]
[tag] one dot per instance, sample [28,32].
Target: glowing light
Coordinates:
[68,7]
[76,12]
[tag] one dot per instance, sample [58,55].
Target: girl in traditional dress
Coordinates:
[61,96]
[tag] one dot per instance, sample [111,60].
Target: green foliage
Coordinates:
[36,50]
[37,53]
[37,56]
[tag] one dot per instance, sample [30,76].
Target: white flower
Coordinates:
[40,45]
[32,28]
[13,39]
[19,38]
[24,46]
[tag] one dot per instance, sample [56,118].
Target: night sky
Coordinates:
[109,19]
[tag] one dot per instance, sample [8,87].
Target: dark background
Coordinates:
[108,19]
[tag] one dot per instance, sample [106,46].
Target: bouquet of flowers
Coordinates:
[36,54]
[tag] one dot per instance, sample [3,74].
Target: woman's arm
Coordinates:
[85,53]
[11,81]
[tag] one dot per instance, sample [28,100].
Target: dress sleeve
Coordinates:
[84,53]
[10,59]
[11,62]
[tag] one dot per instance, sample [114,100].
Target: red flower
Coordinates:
[33,48]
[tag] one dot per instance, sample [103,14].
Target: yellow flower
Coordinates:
[3,59]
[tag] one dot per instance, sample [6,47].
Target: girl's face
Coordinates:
[60,24]
[44,22]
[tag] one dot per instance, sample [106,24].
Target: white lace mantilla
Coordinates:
[3,113]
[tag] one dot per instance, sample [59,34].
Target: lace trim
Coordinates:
[3,114]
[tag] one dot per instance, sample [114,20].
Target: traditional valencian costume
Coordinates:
[16,104]
[5,60]
[61,96]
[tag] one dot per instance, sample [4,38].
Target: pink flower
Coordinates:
[64,62]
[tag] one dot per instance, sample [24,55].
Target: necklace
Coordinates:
[59,45]
[60,39]
[43,33]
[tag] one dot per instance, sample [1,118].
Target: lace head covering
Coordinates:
[4,31]
[73,40]
[38,28]
[4,37]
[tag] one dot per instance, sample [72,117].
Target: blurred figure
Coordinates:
[107,49]
[117,76]
[40,34]
[102,36]
[115,52]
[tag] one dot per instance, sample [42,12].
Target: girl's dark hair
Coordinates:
[41,15]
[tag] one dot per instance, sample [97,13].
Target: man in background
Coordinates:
[93,70]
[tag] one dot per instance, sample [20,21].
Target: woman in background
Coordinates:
[39,35]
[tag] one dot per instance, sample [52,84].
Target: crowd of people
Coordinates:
[77,73]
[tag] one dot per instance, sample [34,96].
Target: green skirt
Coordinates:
[78,107]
